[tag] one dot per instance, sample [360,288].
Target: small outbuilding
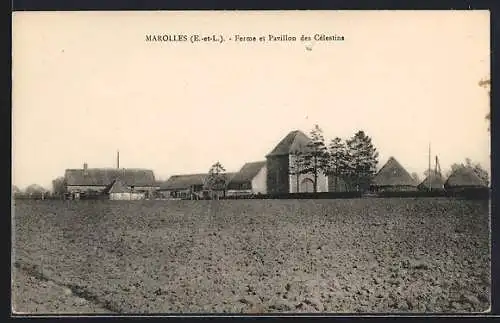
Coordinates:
[464,178]
[183,186]
[251,179]
[393,177]
[117,190]
[189,186]
[433,182]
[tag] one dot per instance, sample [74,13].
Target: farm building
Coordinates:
[182,186]
[463,178]
[251,179]
[96,180]
[393,177]
[117,190]
[187,186]
[433,182]
[281,160]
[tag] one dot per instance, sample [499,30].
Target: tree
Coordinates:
[482,173]
[35,189]
[475,167]
[15,189]
[59,186]
[297,166]
[486,83]
[216,180]
[415,176]
[316,158]
[362,159]
[338,160]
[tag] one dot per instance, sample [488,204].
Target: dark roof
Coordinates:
[464,177]
[182,182]
[247,172]
[393,174]
[293,142]
[434,181]
[117,186]
[179,182]
[105,176]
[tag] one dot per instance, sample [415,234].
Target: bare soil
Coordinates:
[35,294]
[254,256]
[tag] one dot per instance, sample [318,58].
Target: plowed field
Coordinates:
[248,256]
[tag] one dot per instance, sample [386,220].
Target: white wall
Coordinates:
[81,188]
[259,182]
[126,196]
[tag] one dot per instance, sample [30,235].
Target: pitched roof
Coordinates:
[182,182]
[105,176]
[294,141]
[434,181]
[464,177]
[178,182]
[393,174]
[117,186]
[247,172]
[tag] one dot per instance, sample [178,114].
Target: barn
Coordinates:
[251,179]
[187,186]
[117,190]
[433,182]
[280,161]
[463,178]
[94,181]
[182,186]
[393,177]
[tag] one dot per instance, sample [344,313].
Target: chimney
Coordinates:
[85,167]
[118,159]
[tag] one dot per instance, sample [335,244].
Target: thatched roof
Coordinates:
[293,142]
[247,172]
[393,174]
[464,177]
[105,176]
[433,181]
[117,186]
[183,182]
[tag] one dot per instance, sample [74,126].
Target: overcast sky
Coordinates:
[86,84]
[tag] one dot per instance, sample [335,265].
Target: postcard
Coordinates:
[251,162]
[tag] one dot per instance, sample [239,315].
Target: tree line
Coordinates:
[353,160]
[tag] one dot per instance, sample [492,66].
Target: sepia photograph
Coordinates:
[251,162]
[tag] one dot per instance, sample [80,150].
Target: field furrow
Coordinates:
[244,256]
